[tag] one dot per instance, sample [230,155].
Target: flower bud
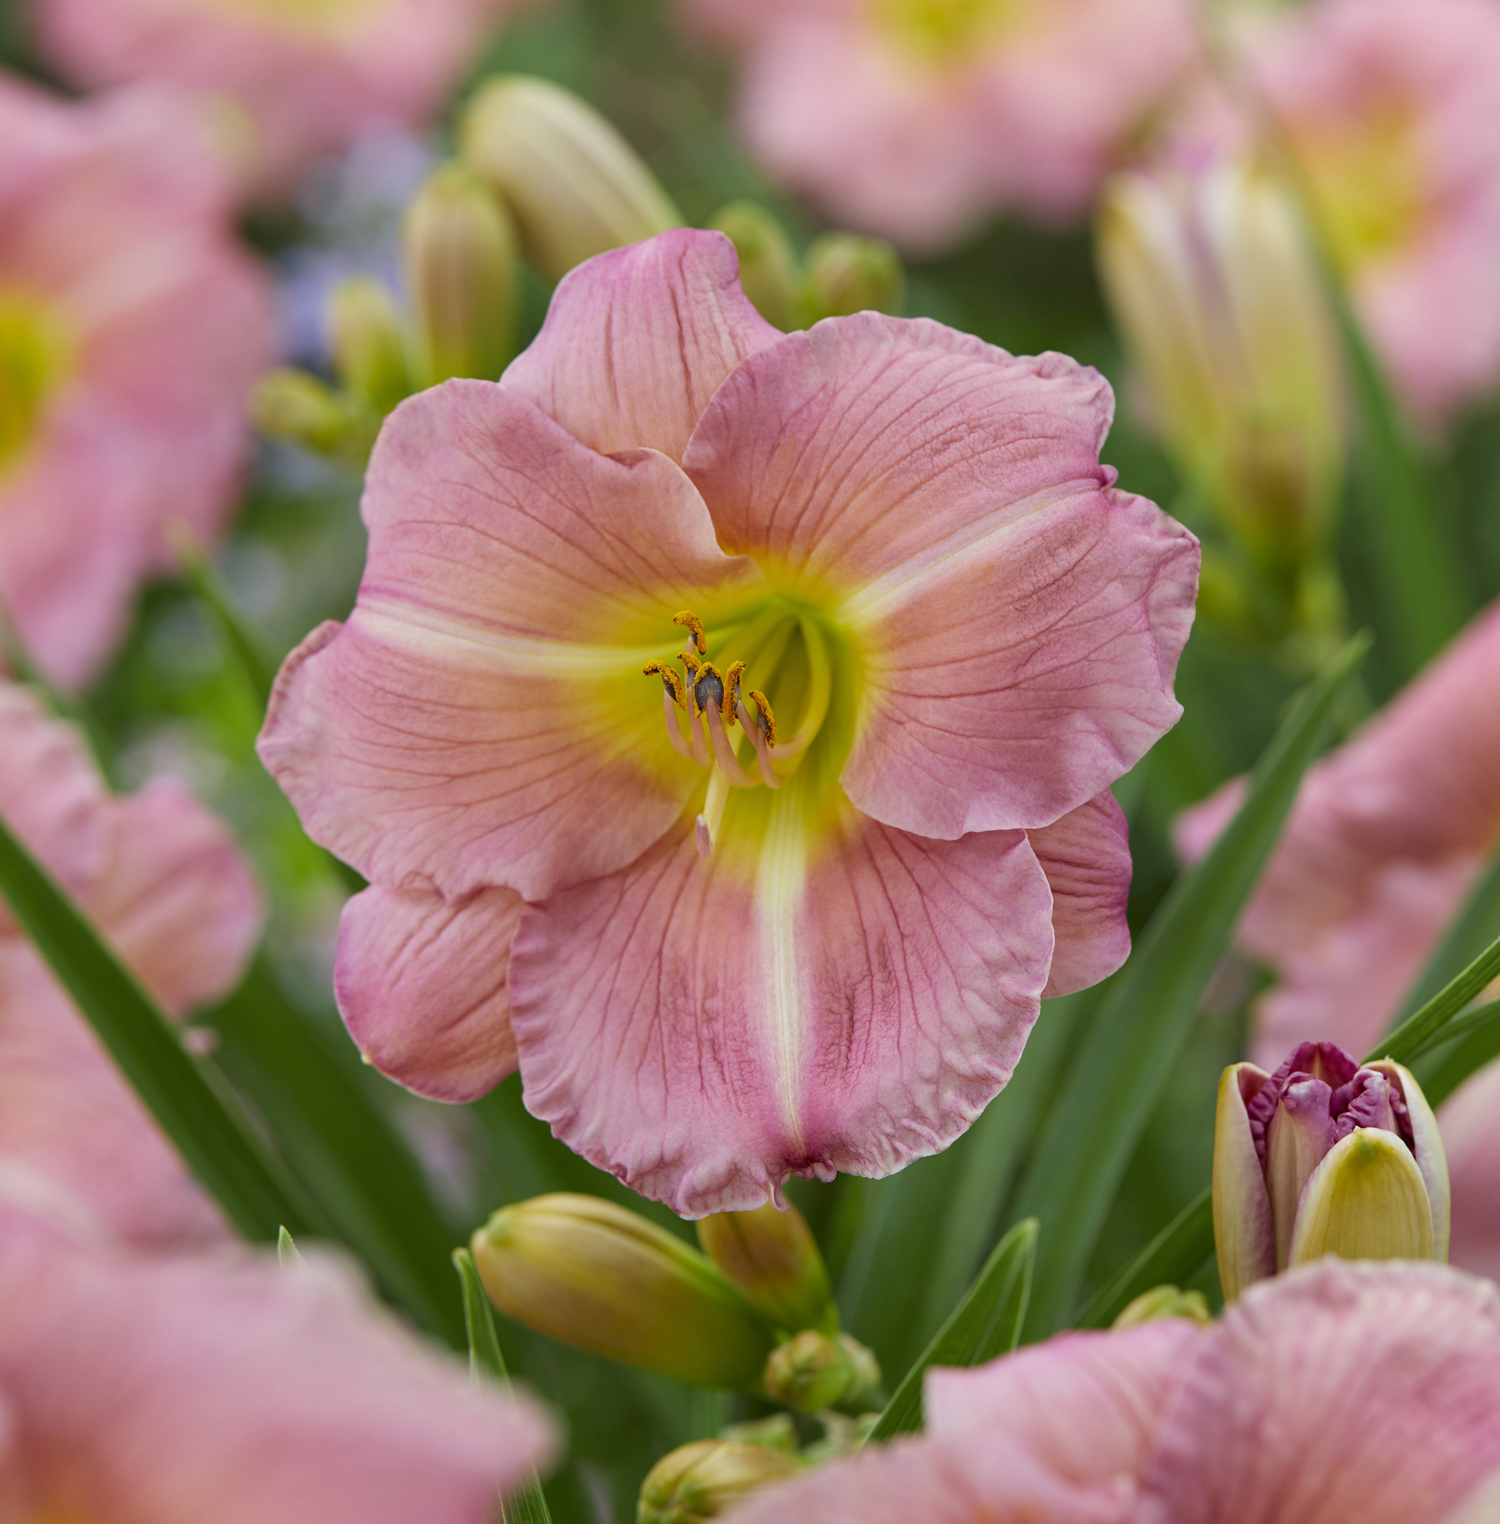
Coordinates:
[1164,1302]
[812,1371]
[293,406]
[772,1257]
[573,184]
[593,1275]
[1326,1156]
[768,267]
[460,253]
[847,274]
[367,343]
[701,1480]
[1210,279]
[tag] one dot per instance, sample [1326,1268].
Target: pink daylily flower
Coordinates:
[181,1387]
[804,925]
[311,75]
[165,883]
[1387,838]
[131,329]
[1389,109]
[916,120]
[1339,1391]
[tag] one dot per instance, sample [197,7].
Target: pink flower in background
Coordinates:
[1339,1391]
[167,886]
[131,329]
[313,75]
[181,1388]
[1389,109]
[916,120]
[740,950]
[1386,839]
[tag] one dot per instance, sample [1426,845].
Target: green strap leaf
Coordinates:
[310,1093]
[1174,1257]
[203,1123]
[1133,1044]
[986,1323]
[240,642]
[486,1363]
[1427,1027]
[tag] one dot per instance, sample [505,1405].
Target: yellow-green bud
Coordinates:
[461,263]
[1366,1200]
[773,1258]
[293,406]
[699,1481]
[593,1275]
[812,1371]
[847,274]
[778,1432]
[768,265]
[368,344]
[573,184]
[1165,1302]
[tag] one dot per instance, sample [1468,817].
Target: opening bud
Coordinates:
[573,184]
[772,1257]
[1165,1302]
[812,1371]
[1326,1156]
[368,343]
[461,262]
[297,408]
[768,265]
[701,1480]
[847,274]
[591,1274]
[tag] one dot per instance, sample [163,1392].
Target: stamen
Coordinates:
[673,699]
[765,720]
[732,692]
[669,680]
[689,621]
[679,742]
[724,749]
[708,689]
[705,837]
[756,727]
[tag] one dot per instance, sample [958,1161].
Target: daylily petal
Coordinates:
[482,719]
[1244,1232]
[637,340]
[1335,1383]
[177,900]
[847,1000]
[1470,1120]
[179,1388]
[1086,857]
[1084,1406]
[422,987]
[944,500]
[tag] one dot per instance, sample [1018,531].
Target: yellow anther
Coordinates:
[706,680]
[691,666]
[762,707]
[694,625]
[669,680]
[732,691]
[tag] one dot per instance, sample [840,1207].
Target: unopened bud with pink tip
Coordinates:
[1326,1156]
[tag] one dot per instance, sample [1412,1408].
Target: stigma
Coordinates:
[710,703]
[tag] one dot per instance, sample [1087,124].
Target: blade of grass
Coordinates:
[986,1323]
[1128,1055]
[1174,1256]
[344,1152]
[486,1363]
[243,646]
[205,1126]
[1468,1024]
[1421,1029]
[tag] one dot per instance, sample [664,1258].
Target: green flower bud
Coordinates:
[773,1258]
[368,343]
[778,1432]
[768,265]
[699,1481]
[293,406]
[1165,1302]
[847,274]
[461,262]
[595,1276]
[573,184]
[812,1371]
[1366,1200]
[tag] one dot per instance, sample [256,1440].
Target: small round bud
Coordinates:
[773,1258]
[847,274]
[812,1371]
[573,184]
[768,266]
[699,1481]
[1165,1302]
[368,344]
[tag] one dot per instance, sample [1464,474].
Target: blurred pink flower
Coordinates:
[1389,108]
[131,328]
[181,1388]
[1340,1391]
[915,119]
[1386,839]
[167,886]
[966,634]
[312,75]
